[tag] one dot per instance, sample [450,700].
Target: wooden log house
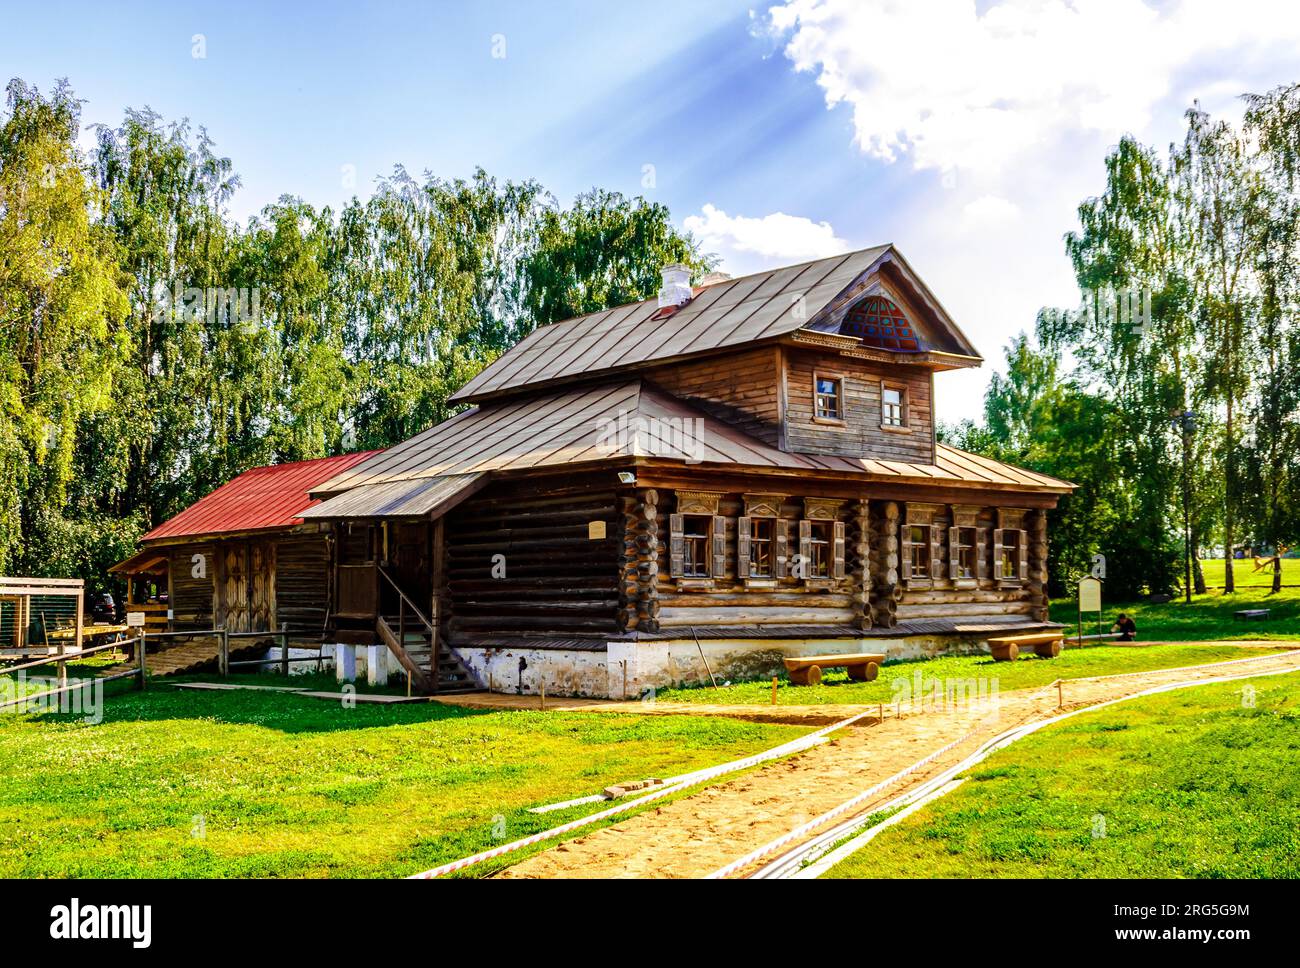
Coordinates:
[242,558]
[729,474]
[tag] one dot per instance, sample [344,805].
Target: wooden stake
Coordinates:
[1060,693]
[542,677]
[774,690]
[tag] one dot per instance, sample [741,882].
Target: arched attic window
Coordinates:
[878,322]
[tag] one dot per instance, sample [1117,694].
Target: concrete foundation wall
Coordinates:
[630,669]
[566,672]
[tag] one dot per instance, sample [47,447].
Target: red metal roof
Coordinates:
[264,497]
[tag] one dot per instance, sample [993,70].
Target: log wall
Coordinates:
[552,575]
[741,389]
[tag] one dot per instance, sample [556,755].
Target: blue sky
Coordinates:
[964,132]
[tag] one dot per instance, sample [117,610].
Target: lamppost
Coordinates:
[1186,423]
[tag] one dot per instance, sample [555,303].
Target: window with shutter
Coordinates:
[757,538]
[677,545]
[962,554]
[744,532]
[1022,560]
[981,554]
[781,545]
[936,552]
[805,548]
[918,552]
[697,536]
[837,566]
[719,568]
[997,554]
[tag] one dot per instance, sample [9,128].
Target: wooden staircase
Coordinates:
[412,644]
[413,638]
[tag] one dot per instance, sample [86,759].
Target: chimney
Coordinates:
[676,289]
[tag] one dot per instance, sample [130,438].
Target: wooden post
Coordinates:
[1060,693]
[62,665]
[81,605]
[223,658]
[774,690]
[284,649]
[623,663]
[139,655]
[542,678]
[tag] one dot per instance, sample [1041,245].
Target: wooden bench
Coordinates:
[807,670]
[1007,648]
[1248,614]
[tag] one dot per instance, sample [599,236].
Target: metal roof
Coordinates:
[629,419]
[402,498]
[264,497]
[730,313]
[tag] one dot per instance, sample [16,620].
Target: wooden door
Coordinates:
[261,582]
[232,583]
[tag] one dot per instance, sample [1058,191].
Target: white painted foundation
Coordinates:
[628,670]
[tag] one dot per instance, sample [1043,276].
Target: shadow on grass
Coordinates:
[285,712]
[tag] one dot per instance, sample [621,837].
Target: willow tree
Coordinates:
[61,335]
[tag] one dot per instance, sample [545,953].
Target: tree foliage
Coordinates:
[151,348]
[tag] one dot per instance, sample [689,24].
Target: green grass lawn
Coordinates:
[176,783]
[1190,784]
[1209,617]
[1028,671]
[1245,575]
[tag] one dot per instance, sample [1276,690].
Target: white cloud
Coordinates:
[990,210]
[1013,105]
[950,87]
[748,244]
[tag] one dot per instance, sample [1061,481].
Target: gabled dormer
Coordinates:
[835,356]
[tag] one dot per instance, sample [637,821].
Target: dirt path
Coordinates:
[698,834]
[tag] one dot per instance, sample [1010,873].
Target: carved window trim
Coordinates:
[701,504]
[766,508]
[824,511]
[921,516]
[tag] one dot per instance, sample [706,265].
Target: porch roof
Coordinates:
[258,499]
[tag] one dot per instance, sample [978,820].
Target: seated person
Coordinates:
[1126,628]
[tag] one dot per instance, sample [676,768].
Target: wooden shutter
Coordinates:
[936,552]
[676,545]
[981,555]
[1023,545]
[954,553]
[905,552]
[805,546]
[781,541]
[744,531]
[837,565]
[997,554]
[719,568]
